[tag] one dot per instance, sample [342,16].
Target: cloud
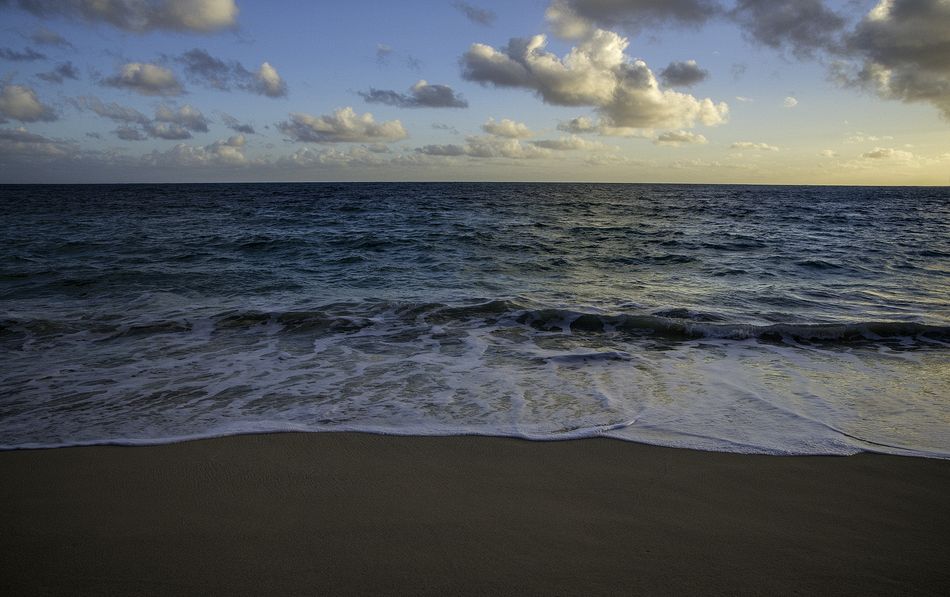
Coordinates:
[235,125]
[676,138]
[802,26]
[112,111]
[421,95]
[382,54]
[20,103]
[887,153]
[597,73]
[480,16]
[683,74]
[507,128]
[343,126]
[583,125]
[186,117]
[753,146]
[145,79]
[171,131]
[789,102]
[127,133]
[229,152]
[572,143]
[860,137]
[199,16]
[204,69]
[744,99]
[45,37]
[828,153]
[62,71]
[268,82]
[632,15]
[27,55]
[20,144]
[490,146]
[904,49]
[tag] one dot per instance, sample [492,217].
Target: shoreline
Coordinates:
[356,513]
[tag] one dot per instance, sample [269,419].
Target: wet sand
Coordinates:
[331,514]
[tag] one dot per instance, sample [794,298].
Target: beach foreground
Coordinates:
[342,513]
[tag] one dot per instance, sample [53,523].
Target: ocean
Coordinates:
[754,319]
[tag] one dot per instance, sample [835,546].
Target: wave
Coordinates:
[668,324]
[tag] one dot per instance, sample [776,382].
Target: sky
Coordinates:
[683,91]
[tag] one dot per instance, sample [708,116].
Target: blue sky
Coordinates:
[812,91]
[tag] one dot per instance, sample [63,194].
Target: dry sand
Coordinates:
[328,514]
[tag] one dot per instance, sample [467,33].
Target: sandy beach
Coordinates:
[363,514]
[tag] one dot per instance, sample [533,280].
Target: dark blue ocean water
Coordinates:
[756,319]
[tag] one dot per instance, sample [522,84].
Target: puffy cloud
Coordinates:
[597,73]
[268,82]
[744,99]
[62,71]
[236,125]
[904,46]
[789,102]
[583,125]
[676,138]
[203,68]
[860,137]
[146,79]
[112,111]
[507,128]
[570,15]
[683,74]
[343,126]
[170,131]
[382,54]
[27,55]
[488,147]
[139,15]
[802,26]
[579,125]
[480,16]
[753,146]
[308,157]
[186,117]
[20,103]
[421,95]
[828,153]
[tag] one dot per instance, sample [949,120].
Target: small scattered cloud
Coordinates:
[749,145]
[112,110]
[209,71]
[677,138]
[342,126]
[572,143]
[61,72]
[421,95]
[128,133]
[45,37]
[186,116]
[480,16]
[441,126]
[828,153]
[744,99]
[789,102]
[887,153]
[860,137]
[383,52]
[21,144]
[488,146]
[683,74]
[196,16]
[236,125]
[21,103]
[225,152]
[145,79]
[27,55]
[507,128]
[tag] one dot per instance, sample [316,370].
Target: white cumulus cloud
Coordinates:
[343,126]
